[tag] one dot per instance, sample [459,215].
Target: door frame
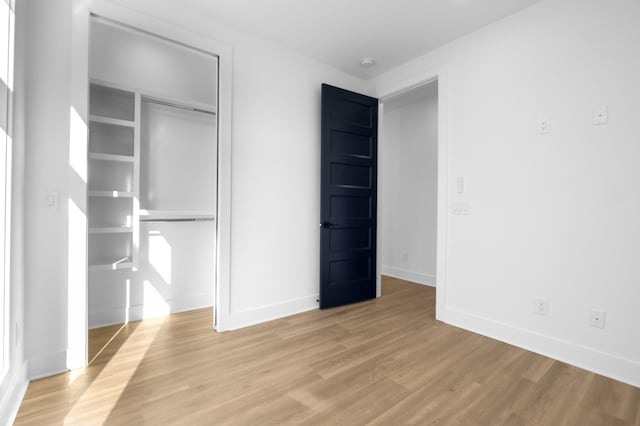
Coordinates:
[441,75]
[77,308]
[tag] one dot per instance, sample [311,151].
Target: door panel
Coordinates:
[350,175]
[348,197]
[350,239]
[350,144]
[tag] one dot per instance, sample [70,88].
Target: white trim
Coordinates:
[380,210]
[404,274]
[247,317]
[137,313]
[77,232]
[46,365]
[609,365]
[12,398]
[223,231]
[441,74]
[7,290]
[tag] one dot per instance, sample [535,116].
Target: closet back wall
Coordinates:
[176,260]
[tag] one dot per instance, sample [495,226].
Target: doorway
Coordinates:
[413,186]
[152,178]
[77,282]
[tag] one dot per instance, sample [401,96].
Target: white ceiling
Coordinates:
[341,32]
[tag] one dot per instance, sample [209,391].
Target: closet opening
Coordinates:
[152,179]
[408,187]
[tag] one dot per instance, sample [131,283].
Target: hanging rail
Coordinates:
[181,219]
[175,105]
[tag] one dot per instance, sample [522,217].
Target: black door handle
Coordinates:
[327,225]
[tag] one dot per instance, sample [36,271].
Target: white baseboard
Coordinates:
[403,274]
[47,365]
[16,387]
[140,312]
[615,367]
[245,318]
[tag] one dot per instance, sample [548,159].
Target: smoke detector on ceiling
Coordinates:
[367,62]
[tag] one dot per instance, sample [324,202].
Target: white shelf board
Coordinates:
[111,230]
[111,157]
[176,214]
[111,194]
[112,121]
[111,265]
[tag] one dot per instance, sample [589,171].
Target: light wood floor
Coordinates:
[383,362]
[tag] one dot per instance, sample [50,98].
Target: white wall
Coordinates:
[48,106]
[553,215]
[408,189]
[178,152]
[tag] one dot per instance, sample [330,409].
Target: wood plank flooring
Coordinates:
[383,362]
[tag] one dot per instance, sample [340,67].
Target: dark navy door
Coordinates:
[348,200]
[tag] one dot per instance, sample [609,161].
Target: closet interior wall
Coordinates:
[152,176]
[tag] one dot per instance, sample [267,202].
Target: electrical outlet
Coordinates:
[596,318]
[601,115]
[541,306]
[405,257]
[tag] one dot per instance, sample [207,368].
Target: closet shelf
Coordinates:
[150,215]
[111,194]
[112,121]
[111,230]
[111,265]
[111,157]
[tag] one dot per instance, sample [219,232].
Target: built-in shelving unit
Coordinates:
[112,265]
[113,177]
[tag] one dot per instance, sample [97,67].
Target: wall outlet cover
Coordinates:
[601,115]
[543,125]
[541,306]
[597,318]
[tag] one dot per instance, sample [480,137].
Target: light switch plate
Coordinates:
[462,208]
[460,184]
[52,199]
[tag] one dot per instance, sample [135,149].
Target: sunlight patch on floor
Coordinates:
[112,381]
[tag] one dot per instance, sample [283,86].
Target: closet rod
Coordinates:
[178,106]
[185,219]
